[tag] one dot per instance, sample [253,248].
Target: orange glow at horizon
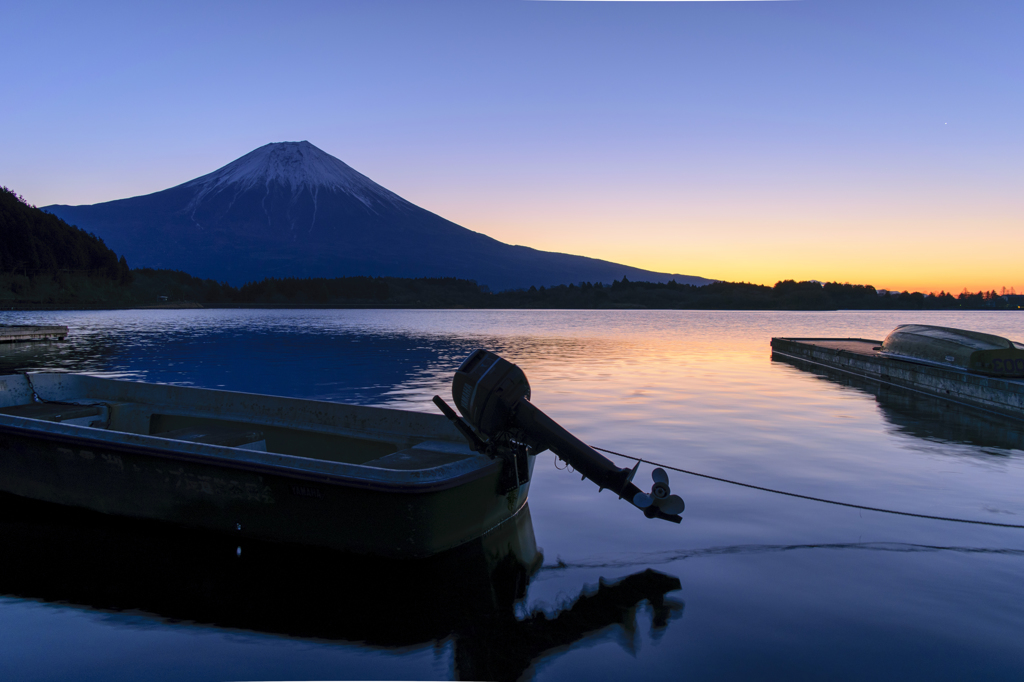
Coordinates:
[901,242]
[764,262]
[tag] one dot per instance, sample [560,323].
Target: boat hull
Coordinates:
[250,503]
[266,496]
[958,348]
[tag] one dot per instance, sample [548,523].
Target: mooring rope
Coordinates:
[811,498]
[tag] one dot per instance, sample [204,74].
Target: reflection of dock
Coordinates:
[25,332]
[923,416]
[861,358]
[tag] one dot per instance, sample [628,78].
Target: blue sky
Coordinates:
[853,140]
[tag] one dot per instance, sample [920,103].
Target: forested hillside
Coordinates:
[39,251]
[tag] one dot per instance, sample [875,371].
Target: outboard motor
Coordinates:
[493,396]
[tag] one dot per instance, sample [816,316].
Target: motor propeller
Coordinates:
[493,396]
[661,495]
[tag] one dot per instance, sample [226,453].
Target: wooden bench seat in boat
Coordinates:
[78,415]
[426,455]
[224,436]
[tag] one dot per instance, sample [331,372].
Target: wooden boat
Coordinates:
[958,348]
[362,479]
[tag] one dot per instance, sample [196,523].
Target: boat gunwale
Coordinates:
[291,466]
[936,364]
[826,338]
[366,433]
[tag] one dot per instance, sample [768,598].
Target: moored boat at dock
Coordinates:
[966,367]
[947,347]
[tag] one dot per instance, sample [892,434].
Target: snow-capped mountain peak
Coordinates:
[299,165]
[291,210]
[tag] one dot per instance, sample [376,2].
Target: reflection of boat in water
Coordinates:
[468,595]
[923,416]
[971,368]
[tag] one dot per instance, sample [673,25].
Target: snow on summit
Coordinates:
[299,165]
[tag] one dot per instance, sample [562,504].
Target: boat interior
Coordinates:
[349,434]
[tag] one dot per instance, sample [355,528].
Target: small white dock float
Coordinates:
[26,332]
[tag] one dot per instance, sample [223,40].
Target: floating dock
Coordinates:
[862,358]
[25,332]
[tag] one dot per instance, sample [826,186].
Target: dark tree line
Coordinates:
[785,295]
[425,292]
[450,292]
[34,242]
[316,289]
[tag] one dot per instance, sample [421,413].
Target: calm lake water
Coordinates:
[769,587]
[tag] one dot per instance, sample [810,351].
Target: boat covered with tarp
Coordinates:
[958,348]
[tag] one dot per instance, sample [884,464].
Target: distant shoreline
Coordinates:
[148,289]
[6,307]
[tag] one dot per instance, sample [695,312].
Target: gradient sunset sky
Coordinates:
[875,142]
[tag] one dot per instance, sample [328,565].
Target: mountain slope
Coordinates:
[290,209]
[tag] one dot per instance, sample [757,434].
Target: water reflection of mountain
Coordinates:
[468,597]
[304,357]
[925,417]
[348,366]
